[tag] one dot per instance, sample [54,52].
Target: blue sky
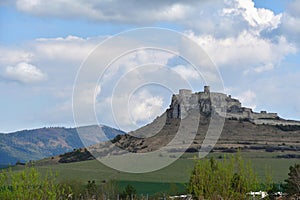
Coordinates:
[254,44]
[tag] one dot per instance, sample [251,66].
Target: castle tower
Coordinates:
[206,89]
[185,93]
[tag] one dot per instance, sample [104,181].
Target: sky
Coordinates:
[254,45]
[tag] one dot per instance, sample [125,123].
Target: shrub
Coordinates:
[29,184]
[128,192]
[230,178]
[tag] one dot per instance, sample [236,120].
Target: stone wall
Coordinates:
[264,115]
[276,122]
[207,102]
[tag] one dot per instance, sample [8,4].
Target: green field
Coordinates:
[173,176]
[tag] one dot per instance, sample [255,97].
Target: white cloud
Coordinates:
[245,51]
[237,36]
[58,8]
[266,67]
[130,111]
[71,48]
[186,72]
[294,8]
[144,107]
[289,26]
[258,18]
[10,56]
[222,17]
[135,65]
[248,99]
[25,73]
[104,10]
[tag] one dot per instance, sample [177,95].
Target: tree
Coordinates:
[129,191]
[30,184]
[293,181]
[91,188]
[230,178]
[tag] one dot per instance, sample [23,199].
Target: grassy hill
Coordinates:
[268,147]
[177,172]
[162,180]
[271,149]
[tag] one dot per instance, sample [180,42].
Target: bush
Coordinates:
[129,192]
[230,178]
[29,184]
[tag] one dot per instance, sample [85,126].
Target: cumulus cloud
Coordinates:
[57,8]
[25,73]
[221,17]
[246,51]
[137,65]
[105,10]
[60,57]
[290,26]
[248,99]
[266,67]
[186,72]
[144,107]
[294,8]
[10,56]
[70,48]
[258,18]
[235,34]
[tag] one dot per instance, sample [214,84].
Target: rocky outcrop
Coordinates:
[224,105]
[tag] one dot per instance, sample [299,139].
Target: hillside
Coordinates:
[188,119]
[236,134]
[272,145]
[36,144]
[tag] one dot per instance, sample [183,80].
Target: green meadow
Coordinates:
[174,177]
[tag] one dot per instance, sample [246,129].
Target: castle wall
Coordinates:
[185,92]
[186,101]
[275,122]
[203,95]
[176,111]
[242,115]
[234,103]
[207,102]
[264,115]
[219,103]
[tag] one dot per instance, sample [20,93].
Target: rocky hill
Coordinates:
[36,144]
[190,116]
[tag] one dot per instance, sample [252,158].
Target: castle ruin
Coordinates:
[207,102]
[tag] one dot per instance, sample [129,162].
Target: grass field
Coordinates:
[173,176]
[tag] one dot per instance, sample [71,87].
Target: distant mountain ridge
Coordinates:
[39,143]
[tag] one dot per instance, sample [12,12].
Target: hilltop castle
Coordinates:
[207,102]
